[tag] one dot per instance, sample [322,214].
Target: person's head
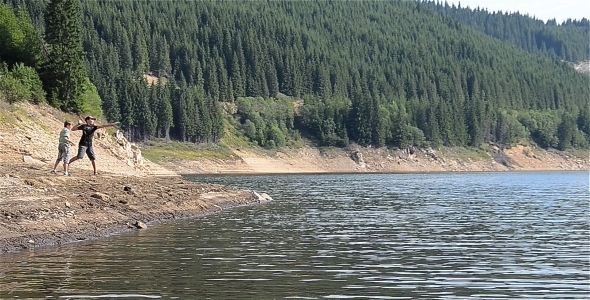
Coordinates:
[90,120]
[68,124]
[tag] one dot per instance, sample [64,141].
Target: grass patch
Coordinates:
[7,113]
[331,152]
[473,153]
[6,119]
[581,153]
[162,151]
[527,152]
[233,137]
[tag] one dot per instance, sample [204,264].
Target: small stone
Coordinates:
[31,242]
[127,189]
[30,160]
[101,196]
[140,225]
[68,205]
[123,201]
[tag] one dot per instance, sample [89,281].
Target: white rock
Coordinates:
[30,160]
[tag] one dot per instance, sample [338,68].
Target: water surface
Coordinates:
[367,236]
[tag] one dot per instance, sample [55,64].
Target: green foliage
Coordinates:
[29,79]
[276,136]
[414,137]
[249,129]
[393,73]
[327,119]
[64,73]
[542,126]
[569,41]
[91,103]
[158,150]
[13,90]
[18,37]
[268,122]
[21,84]
[509,131]
[566,130]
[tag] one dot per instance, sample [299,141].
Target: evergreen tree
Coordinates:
[140,55]
[64,72]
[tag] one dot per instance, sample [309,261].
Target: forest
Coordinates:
[381,73]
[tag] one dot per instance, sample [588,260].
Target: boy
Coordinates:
[64,148]
[85,145]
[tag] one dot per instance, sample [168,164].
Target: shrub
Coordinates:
[13,90]
[30,78]
[91,102]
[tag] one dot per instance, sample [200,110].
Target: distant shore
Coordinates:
[307,160]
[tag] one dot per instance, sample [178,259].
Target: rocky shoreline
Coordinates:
[39,209]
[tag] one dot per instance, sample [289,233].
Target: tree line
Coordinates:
[383,73]
[564,41]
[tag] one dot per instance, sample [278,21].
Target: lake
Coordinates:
[489,235]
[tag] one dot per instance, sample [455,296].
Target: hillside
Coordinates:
[379,73]
[567,41]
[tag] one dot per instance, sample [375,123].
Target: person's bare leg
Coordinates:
[75,158]
[94,166]
[55,166]
[66,167]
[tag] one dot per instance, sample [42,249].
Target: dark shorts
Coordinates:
[64,153]
[88,150]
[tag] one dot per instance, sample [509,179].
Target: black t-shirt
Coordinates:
[87,134]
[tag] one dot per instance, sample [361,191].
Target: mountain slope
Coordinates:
[567,41]
[393,73]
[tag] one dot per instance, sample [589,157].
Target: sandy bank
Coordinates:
[382,160]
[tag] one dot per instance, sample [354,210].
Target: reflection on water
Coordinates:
[378,236]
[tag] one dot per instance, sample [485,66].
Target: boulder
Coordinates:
[262,197]
[357,156]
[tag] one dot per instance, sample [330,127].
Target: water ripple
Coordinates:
[378,236]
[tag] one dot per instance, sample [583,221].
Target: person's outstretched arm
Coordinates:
[107,125]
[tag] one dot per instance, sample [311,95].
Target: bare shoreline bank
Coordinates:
[38,209]
[310,160]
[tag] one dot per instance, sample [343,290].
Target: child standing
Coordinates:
[64,148]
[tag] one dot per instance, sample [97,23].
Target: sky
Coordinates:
[544,10]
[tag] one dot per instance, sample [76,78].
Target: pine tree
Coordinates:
[165,117]
[140,55]
[64,72]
